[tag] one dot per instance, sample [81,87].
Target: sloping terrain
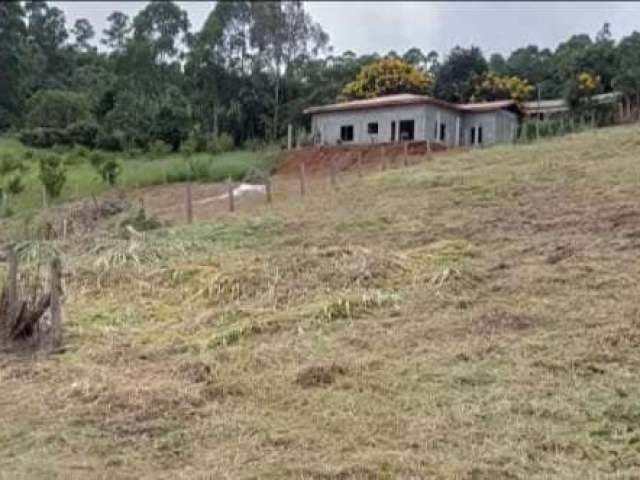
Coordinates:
[472,316]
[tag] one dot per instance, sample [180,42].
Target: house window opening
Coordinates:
[372,128]
[479,134]
[473,135]
[406,131]
[346,133]
[393,131]
[443,132]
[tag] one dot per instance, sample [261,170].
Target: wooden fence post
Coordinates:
[56,306]
[405,158]
[189,203]
[428,148]
[12,296]
[303,180]
[12,258]
[232,205]
[359,164]
[267,187]
[332,172]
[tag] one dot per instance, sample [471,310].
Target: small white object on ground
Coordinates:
[242,189]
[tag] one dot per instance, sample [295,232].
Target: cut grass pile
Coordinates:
[473,316]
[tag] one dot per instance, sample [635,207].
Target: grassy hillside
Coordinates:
[138,170]
[473,316]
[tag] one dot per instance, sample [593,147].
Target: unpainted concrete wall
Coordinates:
[497,126]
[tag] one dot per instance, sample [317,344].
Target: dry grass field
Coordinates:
[473,316]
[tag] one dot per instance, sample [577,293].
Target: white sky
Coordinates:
[365,27]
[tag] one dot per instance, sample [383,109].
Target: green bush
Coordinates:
[44,137]
[83,133]
[57,109]
[52,174]
[159,149]
[208,169]
[170,125]
[110,141]
[15,185]
[9,163]
[220,144]
[60,149]
[188,147]
[72,160]
[134,153]
[107,167]
[81,152]
[254,144]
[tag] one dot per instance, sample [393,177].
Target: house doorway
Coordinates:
[406,130]
[393,131]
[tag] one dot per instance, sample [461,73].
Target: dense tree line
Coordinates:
[248,72]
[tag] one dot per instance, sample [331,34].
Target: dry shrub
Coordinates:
[559,253]
[319,375]
[353,306]
[501,321]
[134,407]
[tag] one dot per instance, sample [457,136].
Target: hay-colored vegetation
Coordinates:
[473,316]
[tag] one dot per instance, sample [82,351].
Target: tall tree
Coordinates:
[84,33]
[13,62]
[458,74]
[164,25]
[115,37]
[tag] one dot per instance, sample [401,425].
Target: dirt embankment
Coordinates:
[345,157]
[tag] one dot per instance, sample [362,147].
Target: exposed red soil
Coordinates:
[345,157]
[167,202]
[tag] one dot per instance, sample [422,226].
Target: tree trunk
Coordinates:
[216,127]
[276,103]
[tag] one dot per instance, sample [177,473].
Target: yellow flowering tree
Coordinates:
[587,83]
[386,76]
[580,89]
[496,87]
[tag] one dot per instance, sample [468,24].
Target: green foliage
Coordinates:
[220,144]
[159,149]
[83,133]
[171,125]
[9,163]
[110,141]
[207,168]
[44,137]
[15,185]
[108,167]
[14,62]
[459,73]
[52,174]
[57,109]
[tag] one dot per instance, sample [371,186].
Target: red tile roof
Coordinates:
[409,99]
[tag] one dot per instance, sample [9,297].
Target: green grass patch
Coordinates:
[139,170]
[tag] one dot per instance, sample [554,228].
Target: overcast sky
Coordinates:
[365,27]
